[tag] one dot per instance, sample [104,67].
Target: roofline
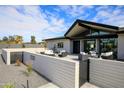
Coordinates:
[55,38]
[78,21]
[99,24]
[71,27]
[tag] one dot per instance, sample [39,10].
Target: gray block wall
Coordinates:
[63,73]
[107,73]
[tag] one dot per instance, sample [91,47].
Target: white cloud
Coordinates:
[75,10]
[27,21]
[113,17]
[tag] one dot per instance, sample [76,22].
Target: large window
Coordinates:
[108,45]
[60,45]
[89,45]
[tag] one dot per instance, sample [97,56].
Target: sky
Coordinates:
[53,21]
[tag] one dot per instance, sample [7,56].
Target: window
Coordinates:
[60,45]
[89,45]
[94,32]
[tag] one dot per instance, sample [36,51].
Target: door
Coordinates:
[76,47]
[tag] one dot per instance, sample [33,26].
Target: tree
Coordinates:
[5,38]
[18,39]
[11,38]
[33,41]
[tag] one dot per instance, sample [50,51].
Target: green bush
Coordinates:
[29,69]
[9,85]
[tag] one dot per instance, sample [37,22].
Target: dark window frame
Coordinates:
[60,45]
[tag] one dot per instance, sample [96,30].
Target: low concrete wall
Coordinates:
[10,53]
[32,45]
[61,72]
[106,73]
[10,46]
[20,46]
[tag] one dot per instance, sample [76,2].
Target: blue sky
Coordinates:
[53,21]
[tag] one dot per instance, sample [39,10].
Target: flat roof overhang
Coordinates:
[80,26]
[98,37]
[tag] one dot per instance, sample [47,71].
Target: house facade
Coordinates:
[85,36]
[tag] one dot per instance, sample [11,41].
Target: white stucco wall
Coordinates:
[6,53]
[66,42]
[121,46]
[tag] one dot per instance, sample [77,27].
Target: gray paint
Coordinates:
[83,76]
[107,73]
[120,46]
[61,72]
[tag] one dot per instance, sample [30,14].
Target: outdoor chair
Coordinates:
[62,53]
[49,52]
[107,55]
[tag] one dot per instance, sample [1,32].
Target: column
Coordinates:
[81,45]
[8,58]
[98,46]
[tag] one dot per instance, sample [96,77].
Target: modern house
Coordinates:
[84,36]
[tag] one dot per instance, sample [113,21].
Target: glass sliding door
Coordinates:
[107,45]
[89,45]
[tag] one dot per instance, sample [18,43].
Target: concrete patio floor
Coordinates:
[16,75]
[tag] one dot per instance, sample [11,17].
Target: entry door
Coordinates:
[76,47]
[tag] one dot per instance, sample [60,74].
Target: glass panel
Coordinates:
[89,45]
[108,45]
[97,32]
[103,33]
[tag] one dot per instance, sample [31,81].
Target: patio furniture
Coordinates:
[42,52]
[49,52]
[62,53]
[93,54]
[107,55]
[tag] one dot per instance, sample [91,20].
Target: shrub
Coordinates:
[9,85]
[29,69]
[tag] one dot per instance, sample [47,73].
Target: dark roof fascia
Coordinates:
[93,37]
[83,25]
[55,38]
[80,22]
[99,24]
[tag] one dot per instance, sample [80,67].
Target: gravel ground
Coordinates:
[17,76]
